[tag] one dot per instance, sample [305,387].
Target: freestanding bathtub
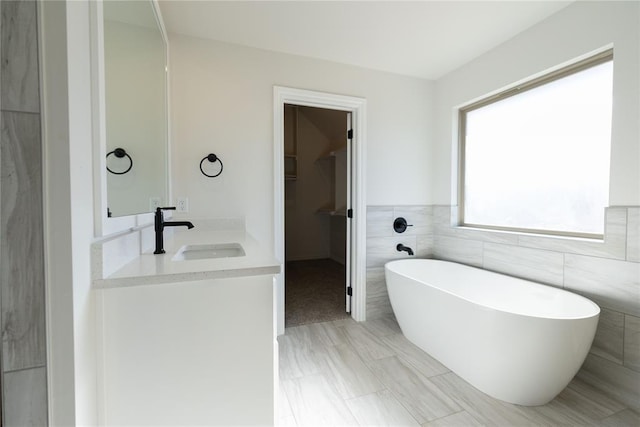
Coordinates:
[515,340]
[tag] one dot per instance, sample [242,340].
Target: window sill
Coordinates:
[564,237]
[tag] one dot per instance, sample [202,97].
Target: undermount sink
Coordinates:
[218,250]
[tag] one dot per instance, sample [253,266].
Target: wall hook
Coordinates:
[120,153]
[212,158]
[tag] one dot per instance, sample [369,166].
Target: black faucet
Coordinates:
[400,247]
[160,224]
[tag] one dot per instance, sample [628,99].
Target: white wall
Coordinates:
[68,184]
[222,102]
[575,31]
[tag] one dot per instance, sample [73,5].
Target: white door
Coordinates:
[350,229]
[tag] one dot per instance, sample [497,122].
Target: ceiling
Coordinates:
[426,39]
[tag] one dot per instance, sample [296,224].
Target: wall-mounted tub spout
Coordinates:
[400,247]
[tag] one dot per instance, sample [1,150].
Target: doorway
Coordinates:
[355,189]
[316,175]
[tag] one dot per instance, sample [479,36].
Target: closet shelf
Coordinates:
[332,154]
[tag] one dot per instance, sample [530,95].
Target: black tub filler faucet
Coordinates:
[400,247]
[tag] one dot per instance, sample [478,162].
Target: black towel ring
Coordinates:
[120,153]
[212,158]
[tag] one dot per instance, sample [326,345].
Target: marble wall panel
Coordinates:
[424,246]
[608,342]
[533,264]
[376,284]
[380,250]
[611,283]
[420,219]
[379,221]
[19,82]
[378,304]
[464,251]
[25,397]
[21,246]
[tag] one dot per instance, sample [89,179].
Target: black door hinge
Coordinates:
[349,213]
[350,134]
[350,291]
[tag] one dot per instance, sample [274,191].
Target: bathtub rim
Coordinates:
[596,307]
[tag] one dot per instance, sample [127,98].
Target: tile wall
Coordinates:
[607,272]
[381,247]
[22,320]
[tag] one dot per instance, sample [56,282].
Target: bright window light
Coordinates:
[538,160]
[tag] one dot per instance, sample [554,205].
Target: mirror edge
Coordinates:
[104,225]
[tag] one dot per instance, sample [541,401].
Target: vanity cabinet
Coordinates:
[190,353]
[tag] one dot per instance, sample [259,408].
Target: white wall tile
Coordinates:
[633,234]
[445,215]
[376,284]
[380,250]
[379,221]
[464,251]
[118,252]
[419,217]
[533,264]
[608,342]
[378,304]
[632,342]
[612,284]
[424,246]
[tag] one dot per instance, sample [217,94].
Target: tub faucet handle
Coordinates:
[400,225]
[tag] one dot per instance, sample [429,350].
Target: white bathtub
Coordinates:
[515,340]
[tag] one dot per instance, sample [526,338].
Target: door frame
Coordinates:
[357,107]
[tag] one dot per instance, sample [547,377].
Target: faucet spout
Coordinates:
[160,224]
[187,224]
[400,248]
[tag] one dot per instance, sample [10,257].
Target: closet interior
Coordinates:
[316,168]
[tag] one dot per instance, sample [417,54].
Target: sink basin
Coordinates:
[219,250]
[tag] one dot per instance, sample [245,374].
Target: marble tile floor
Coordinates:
[348,373]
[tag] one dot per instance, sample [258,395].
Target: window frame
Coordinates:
[584,64]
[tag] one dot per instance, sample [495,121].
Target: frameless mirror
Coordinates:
[135,108]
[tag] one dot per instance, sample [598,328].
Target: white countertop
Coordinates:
[149,269]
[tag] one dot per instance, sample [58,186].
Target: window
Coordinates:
[536,157]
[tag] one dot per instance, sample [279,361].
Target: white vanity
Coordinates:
[189,342]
